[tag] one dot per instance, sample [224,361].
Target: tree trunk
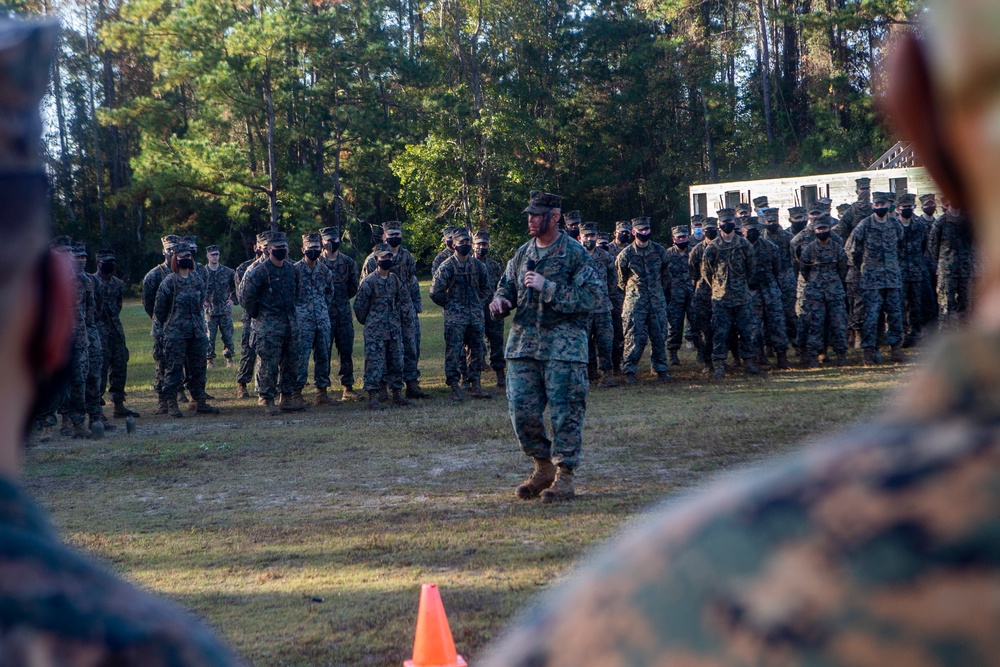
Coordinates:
[713,168]
[66,166]
[272,172]
[98,175]
[765,76]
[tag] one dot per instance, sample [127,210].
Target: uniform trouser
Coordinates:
[954,298]
[411,346]
[277,352]
[314,341]
[185,359]
[644,323]
[929,299]
[464,348]
[703,320]
[856,319]
[786,283]
[726,318]
[114,367]
[562,386]
[875,302]
[618,346]
[769,319]
[248,355]
[680,308]
[383,361]
[913,308]
[342,335]
[159,363]
[825,320]
[75,403]
[601,340]
[94,368]
[494,336]
[223,324]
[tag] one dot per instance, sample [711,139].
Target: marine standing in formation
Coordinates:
[951,251]
[344,271]
[312,309]
[494,327]
[220,295]
[823,267]
[114,373]
[680,307]
[248,356]
[600,330]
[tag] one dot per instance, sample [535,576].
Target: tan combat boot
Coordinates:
[413,390]
[476,390]
[398,400]
[540,479]
[323,398]
[457,394]
[80,432]
[202,407]
[173,409]
[562,488]
[241,390]
[270,409]
[608,380]
[289,403]
[351,395]
[373,402]
[161,406]
[121,411]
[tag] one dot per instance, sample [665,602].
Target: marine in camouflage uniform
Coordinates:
[765,297]
[571,223]
[874,248]
[448,250]
[150,285]
[179,310]
[782,238]
[344,271]
[604,242]
[622,240]
[269,293]
[858,211]
[405,268]
[382,298]
[547,347]
[913,268]
[951,250]
[95,352]
[109,323]
[702,299]
[644,277]
[462,287]
[494,327]
[248,356]
[680,307]
[600,330]
[928,209]
[728,264]
[220,293]
[312,308]
[72,402]
[799,242]
[823,267]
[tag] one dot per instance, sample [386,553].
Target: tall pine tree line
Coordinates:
[222,118]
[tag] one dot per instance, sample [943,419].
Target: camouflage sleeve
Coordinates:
[611,277]
[855,247]
[368,267]
[806,262]
[164,300]
[331,287]
[507,288]
[231,285]
[694,264]
[352,278]
[624,272]
[665,275]
[404,293]
[440,283]
[148,294]
[842,264]
[581,295]
[775,261]
[934,243]
[485,287]
[250,288]
[362,302]
[119,291]
[414,286]
[708,263]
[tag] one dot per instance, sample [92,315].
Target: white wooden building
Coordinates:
[895,172]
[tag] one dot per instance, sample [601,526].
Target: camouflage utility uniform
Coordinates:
[405,268]
[114,373]
[344,272]
[179,310]
[824,311]
[463,289]
[378,306]
[312,310]
[728,266]
[220,289]
[644,277]
[952,253]
[874,248]
[269,294]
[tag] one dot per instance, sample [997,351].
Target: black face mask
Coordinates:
[51,387]
[682,246]
[385,264]
[624,238]
[711,233]
[773,227]
[185,263]
[728,227]
[333,246]
[448,243]
[279,254]
[463,249]
[822,236]
[881,211]
[753,235]
[906,213]
[257,252]
[107,266]
[642,238]
[313,254]
[575,233]
[929,211]
[798,226]
[590,244]
[394,241]
[481,253]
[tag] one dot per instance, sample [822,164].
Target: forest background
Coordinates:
[222,118]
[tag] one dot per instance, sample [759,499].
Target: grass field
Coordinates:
[304,539]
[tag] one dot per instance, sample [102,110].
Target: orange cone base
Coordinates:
[433,646]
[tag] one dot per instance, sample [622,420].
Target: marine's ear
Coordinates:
[909,103]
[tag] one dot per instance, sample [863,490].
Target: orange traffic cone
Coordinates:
[433,646]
